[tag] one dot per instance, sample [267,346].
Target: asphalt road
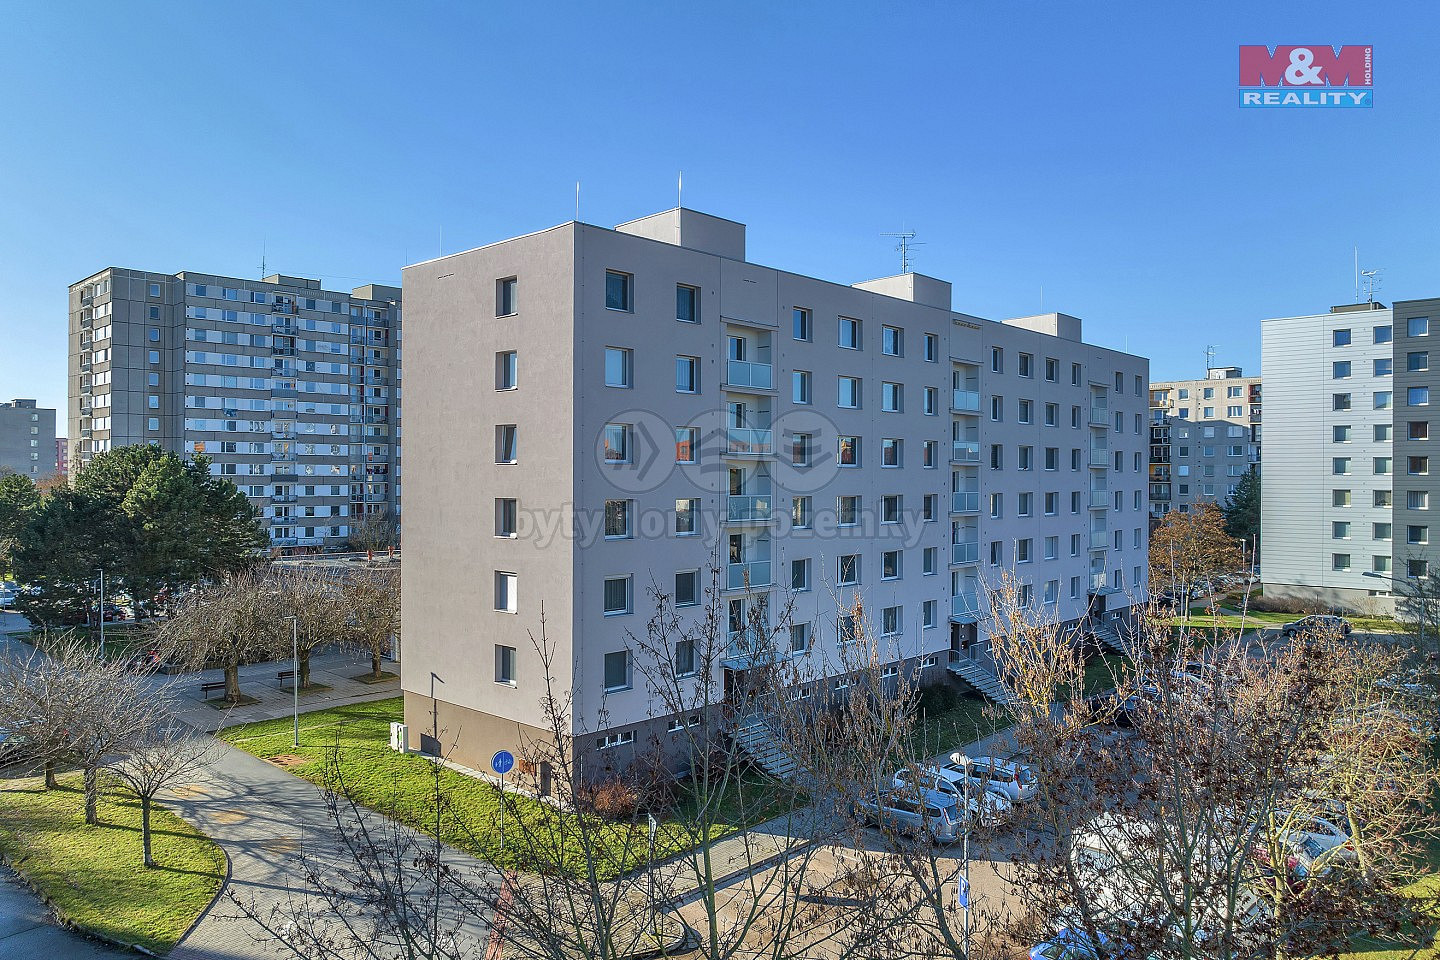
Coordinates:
[27,931]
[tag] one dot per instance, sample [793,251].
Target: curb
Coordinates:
[66,923]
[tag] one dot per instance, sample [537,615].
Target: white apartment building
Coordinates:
[1348,489]
[1204,437]
[292,391]
[650,406]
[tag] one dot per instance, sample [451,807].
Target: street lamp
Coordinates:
[962,893]
[101,571]
[295,680]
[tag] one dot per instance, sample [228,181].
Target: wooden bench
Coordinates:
[208,688]
[284,675]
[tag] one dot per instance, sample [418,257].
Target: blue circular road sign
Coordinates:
[503,762]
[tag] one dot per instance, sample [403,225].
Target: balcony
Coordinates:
[965,502]
[742,651]
[1099,540]
[1099,415]
[748,375]
[284,498]
[284,392]
[967,551]
[85,365]
[741,442]
[965,451]
[747,576]
[748,509]
[1099,457]
[965,401]
[1099,499]
[279,457]
[1098,583]
[283,434]
[965,607]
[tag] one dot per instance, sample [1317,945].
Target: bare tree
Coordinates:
[373,531]
[227,624]
[316,600]
[162,754]
[371,615]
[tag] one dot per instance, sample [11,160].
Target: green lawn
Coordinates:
[1250,621]
[403,785]
[94,874]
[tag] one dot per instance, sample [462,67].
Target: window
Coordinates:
[685,663]
[1075,374]
[1340,530]
[1052,458]
[997,360]
[799,637]
[687,444]
[1340,338]
[1024,501]
[686,512]
[1052,414]
[850,333]
[890,565]
[687,374]
[1384,366]
[617,596]
[1022,550]
[800,574]
[154,356]
[506,589]
[1382,334]
[1052,369]
[1340,433]
[1382,498]
[505,517]
[1417,533]
[1417,499]
[154,335]
[928,562]
[617,671]
[1052,547]
[1052,503]
[1023,412]
[612,740]
[618,295]
[997,552]
[1380,564]
[1418,326]
[507,368]
[154,289]
[1418,466]
[1340,401]
[505,443]
[800,386]
[687,304]
[504,664]
[997,505]
[850,392]
[892,341]
[616,443]
[891,506]
[1026,365]
[505,300]
[800,513]
[687,588]
[930,401]
[1419,430]
[890,622]
[800,449]
[848,570]
[927,620]
[847,510]
[1340,466]
[1416,568]
[1234,411]
[997,409]
[932,348]
[848,451]
[1025,458]
[1207,412]
[1340,561]
[1383,399]
[800,327]
[1382,432]
[1418,396]
[1382,466]
[618,364]
[891,453]
[151,423]
[1381,531]
[892,397]
[617,519]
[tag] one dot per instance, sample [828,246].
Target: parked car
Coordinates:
[992,807]
[1013,781]
[14,746]
[1321,835]
[1070,944]
[1316,623]
[926,812]
[7,599]
[1111,707]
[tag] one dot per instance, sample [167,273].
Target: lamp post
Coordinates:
[962,894]
[101,571]
[295,680]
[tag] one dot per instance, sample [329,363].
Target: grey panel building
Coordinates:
[1204,436]
[1348,489]
[292,391]
[27,439]
[645,405]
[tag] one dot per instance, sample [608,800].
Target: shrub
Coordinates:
[614,799]
[1298,607]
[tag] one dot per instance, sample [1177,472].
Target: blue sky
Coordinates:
[1083,157]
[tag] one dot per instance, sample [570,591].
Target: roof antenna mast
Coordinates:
[1372,283]
[906,240]
[1209,357]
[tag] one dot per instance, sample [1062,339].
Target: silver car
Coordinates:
[920,812]
[991,806]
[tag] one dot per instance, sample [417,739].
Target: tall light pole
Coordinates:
[962,894]
[295,680]
[101,571]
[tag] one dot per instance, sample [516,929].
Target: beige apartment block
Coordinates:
[595,414]
[1204,437]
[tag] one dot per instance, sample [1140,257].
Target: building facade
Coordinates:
[653,411]
[293,392]
[1204,436]
[1348,490]
[27,439]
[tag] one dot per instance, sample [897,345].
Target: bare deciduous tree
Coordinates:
[371,616]
[163,754]
[227,624]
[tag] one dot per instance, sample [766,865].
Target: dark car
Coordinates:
[1114,709]
[15,746]
[1317,623]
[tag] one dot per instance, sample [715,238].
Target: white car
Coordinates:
[7,599]
[991,806]
[1013,781]
[1324,834]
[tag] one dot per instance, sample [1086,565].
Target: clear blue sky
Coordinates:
[1091,150]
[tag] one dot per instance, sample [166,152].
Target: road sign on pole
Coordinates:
[502,763]
[962,891]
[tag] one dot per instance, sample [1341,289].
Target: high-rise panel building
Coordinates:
[1204,437]
[643,406]
[27,439]
[292,391]
[1348,492]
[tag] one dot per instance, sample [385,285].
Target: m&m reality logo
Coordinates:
[1316,75]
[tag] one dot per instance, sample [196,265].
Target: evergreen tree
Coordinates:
[18,501]
[1242,510]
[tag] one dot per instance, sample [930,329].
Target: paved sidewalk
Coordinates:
[28,932]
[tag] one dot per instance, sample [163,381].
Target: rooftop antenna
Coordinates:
[906,240]
[577,201]
[1209,358]
[679,188]
[1372,283]
[262,259]
[1357,274]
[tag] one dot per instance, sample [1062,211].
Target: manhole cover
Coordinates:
[279,845]
[288,760]
[228,816]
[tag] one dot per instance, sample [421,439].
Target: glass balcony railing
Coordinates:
[1099,457]
[1097,582]
[1099,499]
[741,442]
[1099,540]
[965,401]
[965,451]
[965,607]
[740,576]
[965,502]
[747,373]
[966,552]
[748,509]
[1099,416]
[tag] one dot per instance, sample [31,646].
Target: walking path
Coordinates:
[27,931]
